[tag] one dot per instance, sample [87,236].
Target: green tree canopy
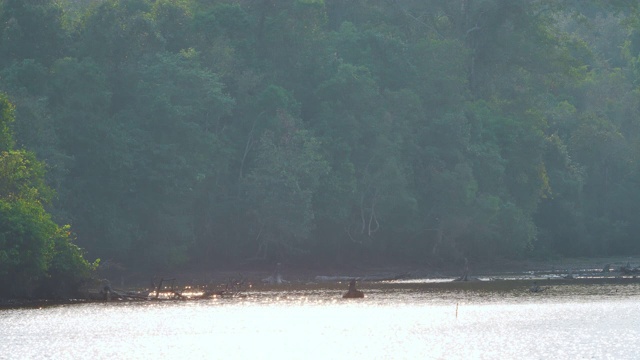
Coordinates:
[194,133]
[37,257]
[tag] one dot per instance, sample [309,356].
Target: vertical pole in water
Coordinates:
[456,310]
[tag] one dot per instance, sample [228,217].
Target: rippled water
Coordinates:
[586,320]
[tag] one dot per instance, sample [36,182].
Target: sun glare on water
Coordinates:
[390,322]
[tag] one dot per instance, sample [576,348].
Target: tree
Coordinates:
[31,29]
[31,244]
[176,122]
[180,132]
[280,188]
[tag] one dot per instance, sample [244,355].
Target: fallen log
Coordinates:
[628,270]
[379,277]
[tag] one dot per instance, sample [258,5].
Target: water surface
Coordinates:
[399,320]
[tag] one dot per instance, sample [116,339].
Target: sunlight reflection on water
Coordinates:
[398,323]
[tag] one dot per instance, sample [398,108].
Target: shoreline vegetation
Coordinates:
[408,140]
[241,282]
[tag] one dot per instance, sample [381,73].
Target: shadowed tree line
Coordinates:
[37,257]
[186,133]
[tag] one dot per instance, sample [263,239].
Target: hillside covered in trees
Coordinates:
[182,133]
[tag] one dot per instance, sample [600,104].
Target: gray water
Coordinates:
[395,321]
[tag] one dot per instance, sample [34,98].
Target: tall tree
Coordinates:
[31,29]
[32,246]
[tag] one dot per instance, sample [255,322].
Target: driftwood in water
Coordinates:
[171,291]
[536,288]
[107,293]
[233,288]
[382,277]
[353,293]
[628,270]
[276,277]
[569,276]
[166,289]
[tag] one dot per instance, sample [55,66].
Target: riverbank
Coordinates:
[302,273]
[263,276]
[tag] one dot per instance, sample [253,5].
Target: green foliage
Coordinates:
[191,131]
[281,186]
[31,29]
[6,118]
[25,246]
[37,257]
[22,177]
[33,250]
[172,20]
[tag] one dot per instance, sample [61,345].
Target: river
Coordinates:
[396,320]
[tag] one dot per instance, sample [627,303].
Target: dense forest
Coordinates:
[187,133]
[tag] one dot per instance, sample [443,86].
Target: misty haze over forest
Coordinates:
[179,134]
